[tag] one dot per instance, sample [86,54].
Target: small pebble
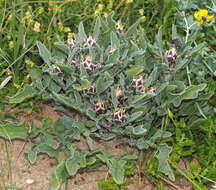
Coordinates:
[29,181]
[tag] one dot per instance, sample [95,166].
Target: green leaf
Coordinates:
[132,30]
[196,49]
[160,42]
[44,52]
[85,84]
[133,71]
[115,43]
[135,116]
[104,82]
[71,103]
[65,68]
[90,143]
[207,123]
[114,98]
[32,156]
[59,125]
[113,58]
[36,77]
[160,134]
[72,165]
[103,24]
[104,156]
[142,144]
[97,28]
[91,114]
[151,78]
[163,157]
[129,157]
[45,148]
[188,93]
[26,93]
[111,23]
[174,32]
[82,34]
[91,161]
[117,170]
[83,72]
[13,131]
[139,130]
[64,48]
[55,183]
[77,98]
[61,172]
[19,41]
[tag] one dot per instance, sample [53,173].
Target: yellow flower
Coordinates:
[11,45]
[67,29]
[36,27]
[202,16]
[60,25]
[141,12]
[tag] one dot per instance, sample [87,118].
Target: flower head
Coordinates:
[36,27]
[120,115]
[171,55]
[202,16]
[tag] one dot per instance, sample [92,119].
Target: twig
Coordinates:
[21,150]
[9,163]
[171,183]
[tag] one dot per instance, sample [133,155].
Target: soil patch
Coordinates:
[37,176]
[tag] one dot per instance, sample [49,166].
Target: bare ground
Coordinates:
[37,176]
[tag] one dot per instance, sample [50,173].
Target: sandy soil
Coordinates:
[37,176]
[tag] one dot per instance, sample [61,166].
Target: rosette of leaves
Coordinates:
[120,83]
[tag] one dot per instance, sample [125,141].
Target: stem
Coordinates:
[207,179]
[9,163]
[200,110]
[187,30]
[197,104]
[188,75]
[209,68]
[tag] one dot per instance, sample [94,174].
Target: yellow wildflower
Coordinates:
[70,35]
[29,62]
[36,27]
[11,45]
[129,1]
[28,14]
[67,29]
[98,10]
[202,16]
[143,19]
[105,14]
[141,12]
[60,26]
